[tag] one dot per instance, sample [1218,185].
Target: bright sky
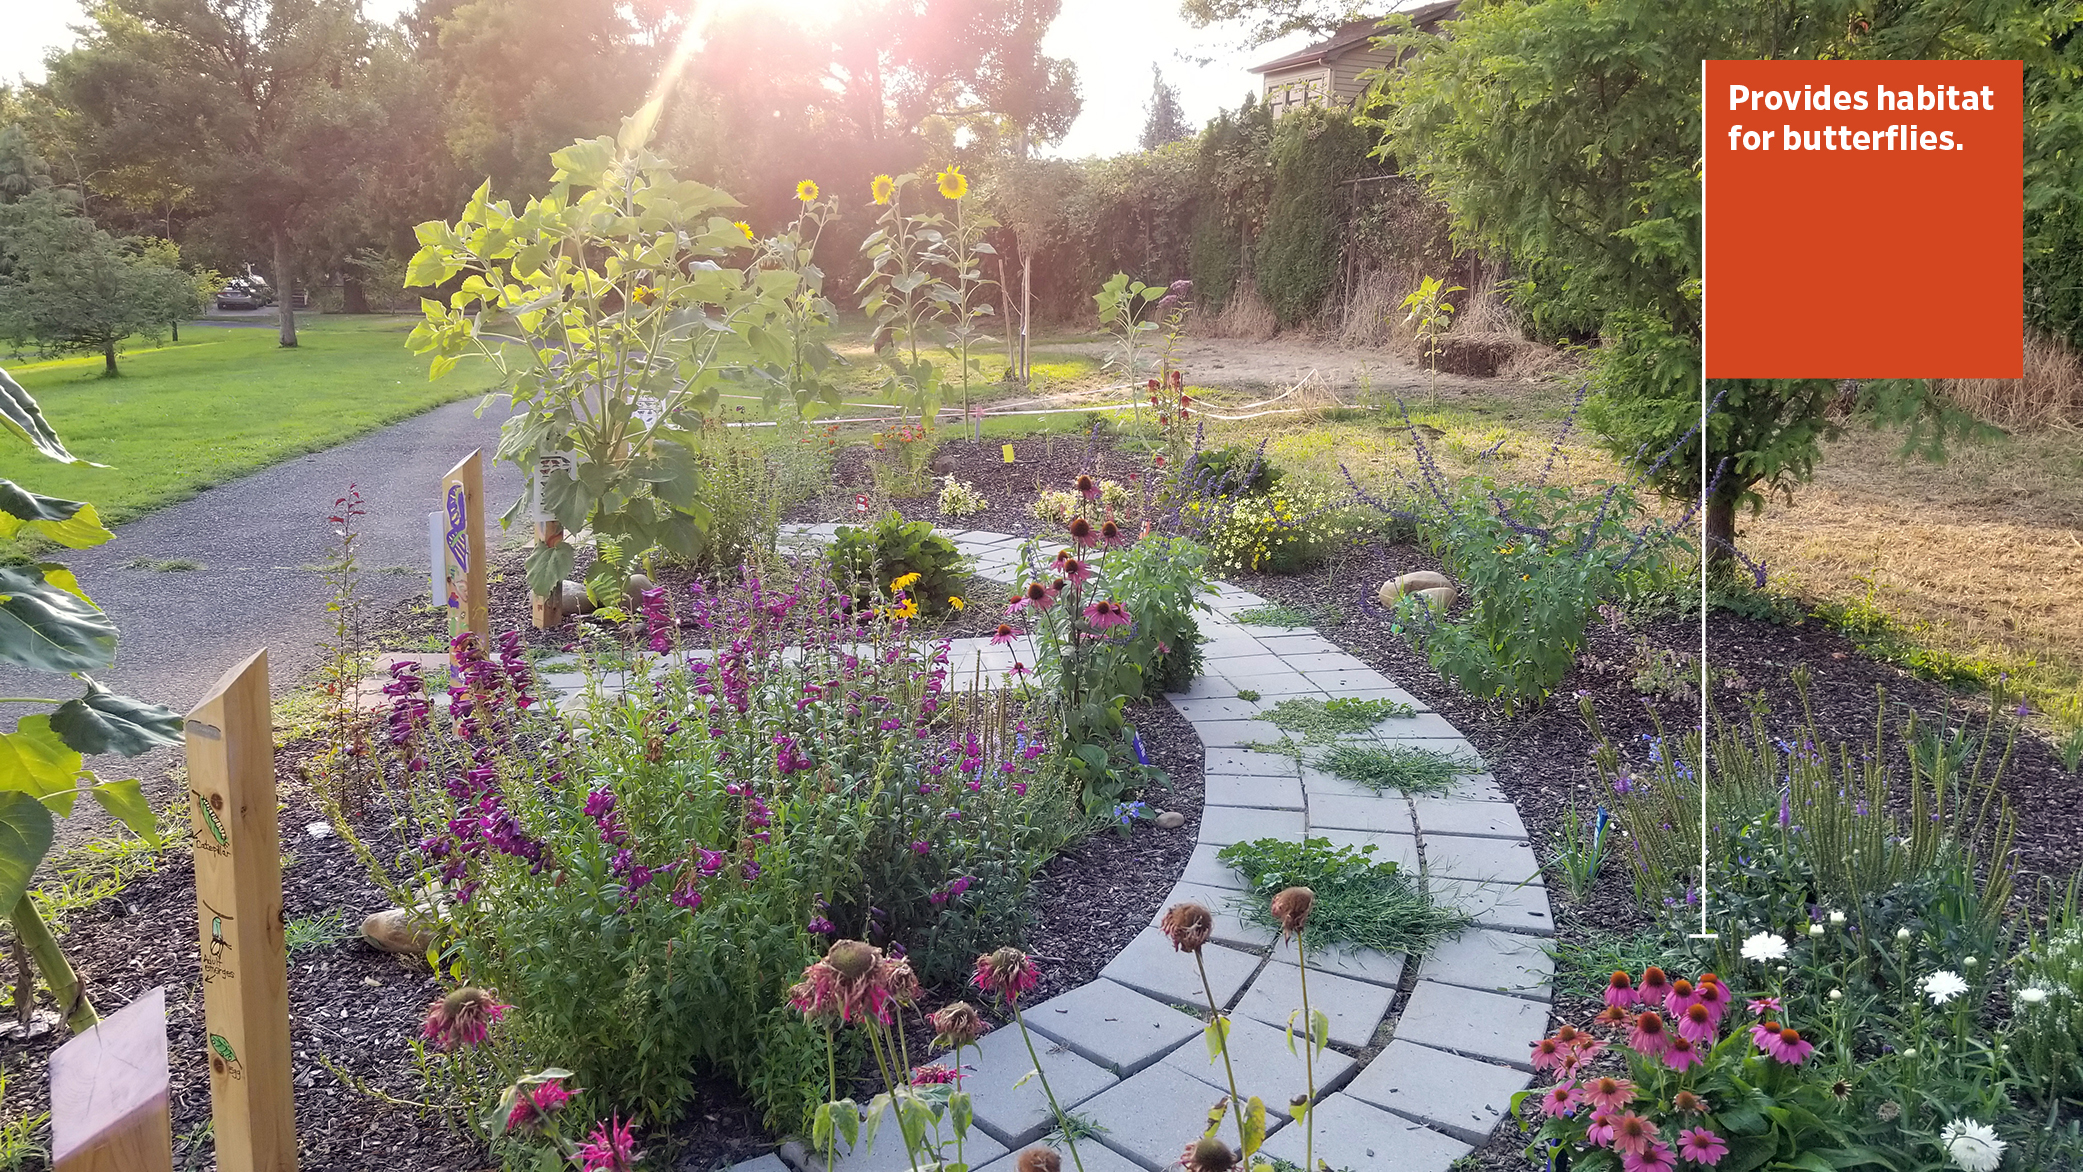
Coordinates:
[1114,43]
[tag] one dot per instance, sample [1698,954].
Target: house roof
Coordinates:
[1357,34]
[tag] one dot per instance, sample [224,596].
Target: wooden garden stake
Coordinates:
[463,550]
[238,896]
[547,610]
[109,1108]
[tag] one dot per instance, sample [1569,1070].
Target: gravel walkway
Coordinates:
[1427,1052]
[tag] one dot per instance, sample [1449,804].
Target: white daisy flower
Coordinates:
[1972,1146]
[2032,995]
[1943,985]
[1764,946]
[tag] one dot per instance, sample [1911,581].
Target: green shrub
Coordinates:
[1234,470]
[1298,251]
[868,560]
[2046,1030]
[1287,531]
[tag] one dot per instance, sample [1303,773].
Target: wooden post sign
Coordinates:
[108,1094]
[463,550]
[547,610]
[238,897]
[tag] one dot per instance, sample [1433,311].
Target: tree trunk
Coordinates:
[353,298]
[108,355]
[176,323]
[285,290]
[1721,529]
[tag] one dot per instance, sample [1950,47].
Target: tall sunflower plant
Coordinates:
[807,378]
[908,299]
[962,292]
[610,309]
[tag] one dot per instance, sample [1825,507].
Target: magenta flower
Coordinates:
[1648,1036]
[1560,1099]
[1547,1054]
[1036,597]
[1683,996]
[1005,635]
[1007,972]
[1102,615]
[1764,1005]
[1088,487]
[1701,1146]
[1620,991]
[1608,1094]
[1601,1130]
[1697,1023]
[1079,572]
[534,1104]
[1682,1053]
[1715,996]
[1789,1046]
[610,1148]
[931,1075]
[1632,1134]
[1656,1157]
[463,1018]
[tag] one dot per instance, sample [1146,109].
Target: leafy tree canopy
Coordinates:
[68,286]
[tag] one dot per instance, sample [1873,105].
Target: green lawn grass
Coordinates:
[221,403]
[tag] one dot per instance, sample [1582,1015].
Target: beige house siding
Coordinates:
[1338,82]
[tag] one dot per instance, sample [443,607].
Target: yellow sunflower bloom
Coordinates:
[956,602]
[953,184]
[744,227]
[806,190]
[882,188]
[904,582]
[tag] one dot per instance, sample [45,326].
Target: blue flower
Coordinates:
[1135,741]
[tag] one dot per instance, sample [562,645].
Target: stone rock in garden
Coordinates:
[396,930]
[1421,582]
[572,598]
[1439,598]
[1170,820]
[638,583]
[942,465]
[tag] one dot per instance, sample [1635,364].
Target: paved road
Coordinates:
[260,540]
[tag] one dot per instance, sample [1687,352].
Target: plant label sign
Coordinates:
[239,922]
[463,550]
[1864,219]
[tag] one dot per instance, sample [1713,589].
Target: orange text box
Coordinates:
[1864,219]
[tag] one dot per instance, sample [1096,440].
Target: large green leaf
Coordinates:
[47,628]
[20,415]
[549,565]
[34,761]
[125,802]
[25,835]
[103,722]
[73,524]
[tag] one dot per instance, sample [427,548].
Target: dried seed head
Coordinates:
[958,1025]
[1189,925]
[1209,1154]
[1040,1160]
[852,958]
[902,983]
[1291,909]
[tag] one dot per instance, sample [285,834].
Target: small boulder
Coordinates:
[572,599]
[942,465]
[1416,582]
[1439,598]
[1170,820]
[397,930]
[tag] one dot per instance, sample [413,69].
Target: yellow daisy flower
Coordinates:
[744,227]
[953,184]
[955,602]
[882,188]
[806,190]
[904,582]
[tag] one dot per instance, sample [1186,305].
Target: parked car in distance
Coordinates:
[239,295]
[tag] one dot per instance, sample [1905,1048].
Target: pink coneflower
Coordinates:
[1036,597]
[1655,1158]
[1102,615]
[1620,991]
[1007,972]
[463,1018]
[1681,997]
[1112,535]
[1004,635]
[1687,1103]
[1548,1054]
[1610,1015]
[1697,1023]
[1077,571]
[1649,1037]
[1088,487]
[534,1104]
[1608,1094]
[1560,1099]
[1654,986]
[1601,1130]
[610,1148]
[1081,533]
[1682,1054]
[1763,1005]
[1789,1046]
[1632,1134]
[1760,1033]
[1701,1146]
[1714,995]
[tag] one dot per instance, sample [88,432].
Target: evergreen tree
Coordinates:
[1166,121]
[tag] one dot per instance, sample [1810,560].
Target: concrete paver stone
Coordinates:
[1468,1021]
[1354,1007]
[1354,1135]
[1150,965]
[1016,1116]
[1112,1025]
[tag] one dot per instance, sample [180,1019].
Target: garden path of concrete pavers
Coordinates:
[259,540]
[1460,1022]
